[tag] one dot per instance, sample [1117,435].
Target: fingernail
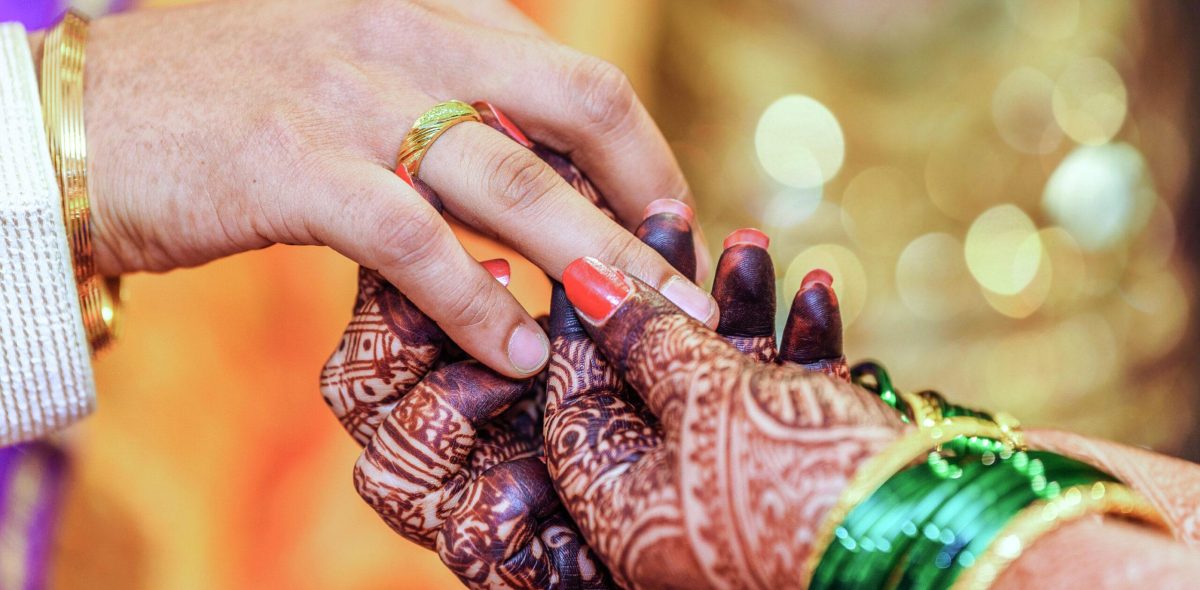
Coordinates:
[669,206]
[819,276]
[595,288]
[749,236]
[498,268]
[402,172]
[528,349]
[690,298]
[509,126]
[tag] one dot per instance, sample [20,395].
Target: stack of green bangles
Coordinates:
[927,524]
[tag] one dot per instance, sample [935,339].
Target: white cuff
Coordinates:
[46,378]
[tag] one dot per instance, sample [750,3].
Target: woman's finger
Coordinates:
[744,287]
[812,336]
[510,530]
[502,189]
[656,349]
[415,469]
[601,445]
[667,228]
[387,348]
[379,221]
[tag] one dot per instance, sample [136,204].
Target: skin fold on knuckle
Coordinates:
[407,240]
[470,308]
[603,93]
[522,184]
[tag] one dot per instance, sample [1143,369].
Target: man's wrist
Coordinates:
[35,49]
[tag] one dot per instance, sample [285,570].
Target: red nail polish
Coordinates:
[749,236]
[669,206]
[822,277]
[595,288]
[402,172]
[498,268]
[509,126]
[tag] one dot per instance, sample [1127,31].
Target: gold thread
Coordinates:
[1039,518]
[62,108]
[430,126]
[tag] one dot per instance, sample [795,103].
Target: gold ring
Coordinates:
[430,126]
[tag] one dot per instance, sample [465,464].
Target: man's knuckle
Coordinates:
[408,239]
[521,181]
[606,96]
[466,308]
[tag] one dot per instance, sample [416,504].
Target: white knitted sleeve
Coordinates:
[45,371]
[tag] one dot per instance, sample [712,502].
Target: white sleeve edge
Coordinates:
[46,380]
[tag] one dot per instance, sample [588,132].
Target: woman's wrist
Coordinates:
[1096,553]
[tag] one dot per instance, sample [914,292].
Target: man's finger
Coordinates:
[505,190]
[381,223]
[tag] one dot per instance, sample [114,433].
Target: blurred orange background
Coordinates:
[212,460]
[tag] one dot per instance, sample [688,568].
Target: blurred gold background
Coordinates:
[998,189]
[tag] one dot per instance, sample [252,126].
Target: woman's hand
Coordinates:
[453,458]
[720,472]
[224,127]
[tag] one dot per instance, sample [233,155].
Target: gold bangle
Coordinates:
[62,108]
[430,126]
[1112,499]
[899,455]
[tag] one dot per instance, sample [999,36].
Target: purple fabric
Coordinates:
[40,14]
[48,464]
[34,14]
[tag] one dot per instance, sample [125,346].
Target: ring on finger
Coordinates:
[428,127]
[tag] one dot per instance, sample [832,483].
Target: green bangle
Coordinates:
[925,525]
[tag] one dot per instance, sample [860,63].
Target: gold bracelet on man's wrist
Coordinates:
[62,108]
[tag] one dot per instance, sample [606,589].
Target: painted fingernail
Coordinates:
[669,206]
[749,236]
[819,276]
[528,349]
[595,288]
[510,127]
[690,298]
[402,172]
[498,268]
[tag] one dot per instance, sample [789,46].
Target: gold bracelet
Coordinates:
[901,454]
[1107,498]
[62,108]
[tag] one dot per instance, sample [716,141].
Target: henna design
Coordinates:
[746,459]
[454,453]
[744,287]
[813,334]
[387,348]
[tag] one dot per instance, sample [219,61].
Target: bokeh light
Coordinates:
[1003,250]
[1023,111]
[932,277]
[1090,101]
[849,279]
[1099,194]
[1053,20]
[882,209]
[791,206]
[799,142]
